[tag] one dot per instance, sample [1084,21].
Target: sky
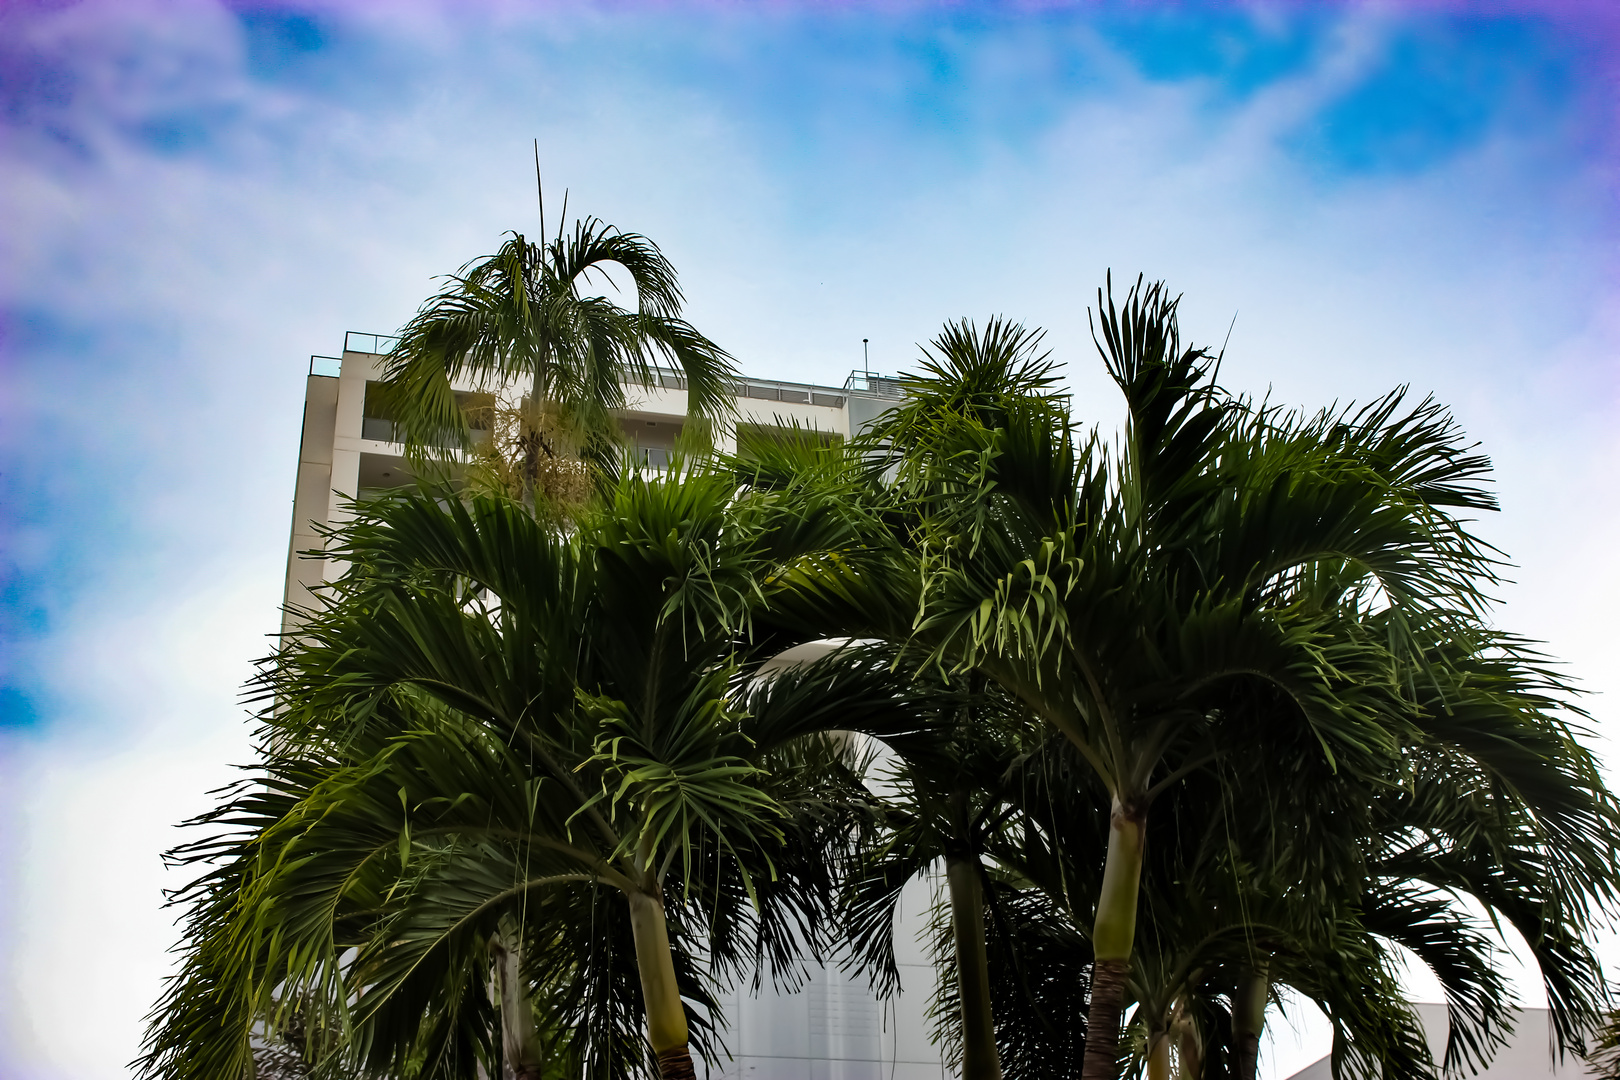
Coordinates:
[197,196]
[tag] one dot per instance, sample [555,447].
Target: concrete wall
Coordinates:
[834,1028]
[1527,1056]
[311,492]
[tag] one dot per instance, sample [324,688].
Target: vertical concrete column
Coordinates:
[346,439]
[311,494]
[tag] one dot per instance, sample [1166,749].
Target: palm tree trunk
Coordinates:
[980,1060]
[530,441]
[1189,1045]
[520,1038]
[1248,1020]
[1112,936]
[1158,1055]
[666,1016]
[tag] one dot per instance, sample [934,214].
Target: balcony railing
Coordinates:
[378,344]
[381,429]
[668,379]
[795,393]
[327,366]
[864,382]
[763,389]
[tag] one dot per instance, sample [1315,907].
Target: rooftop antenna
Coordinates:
[866,357]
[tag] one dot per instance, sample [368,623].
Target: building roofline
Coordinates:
[860,383]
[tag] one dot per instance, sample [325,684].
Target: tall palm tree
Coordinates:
[494,720]
[1131,595]
[1231,910]
[1311,883]
[535,312]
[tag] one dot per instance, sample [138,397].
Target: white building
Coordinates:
[1527,1056]
[833,1028]
[348,447]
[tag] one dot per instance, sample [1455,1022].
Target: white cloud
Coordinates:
[150,678]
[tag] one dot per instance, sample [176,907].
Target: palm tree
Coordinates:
[1495,806]
[1219,932]
[1272,869]
[531,311]
[1311,884]
[491,722]
[1131,596]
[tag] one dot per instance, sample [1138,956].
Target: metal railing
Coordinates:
[668,379]
[382,429]
[377,344]
[326,366]
[795,393]
[829,397]
[864,382]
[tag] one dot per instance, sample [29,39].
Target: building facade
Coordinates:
[349,448]
[1528,1055]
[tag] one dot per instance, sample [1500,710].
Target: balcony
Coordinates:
[376,344]
[762,389]
[870,385]
[794,393]
[380,429]
[377,422]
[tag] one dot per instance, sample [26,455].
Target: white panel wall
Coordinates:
[834,1028]
[1527,1056]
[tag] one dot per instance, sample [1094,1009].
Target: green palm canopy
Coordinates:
[492,725]
[1223,568]
[533,791]
[537,313]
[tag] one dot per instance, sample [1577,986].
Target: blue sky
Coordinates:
[199,195]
